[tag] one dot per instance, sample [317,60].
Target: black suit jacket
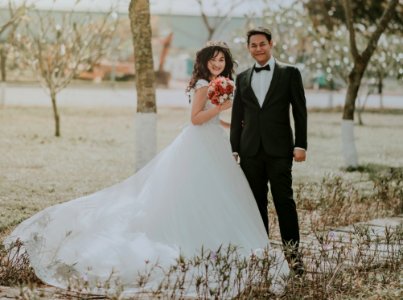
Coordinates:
[269,125]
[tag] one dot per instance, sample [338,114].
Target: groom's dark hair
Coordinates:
[259,30]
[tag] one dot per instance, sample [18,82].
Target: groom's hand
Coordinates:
[299,154]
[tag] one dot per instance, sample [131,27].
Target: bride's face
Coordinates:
[216,64]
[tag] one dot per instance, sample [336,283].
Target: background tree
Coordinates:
[321,55]
[331,13]
[360,63]
[58,48]
[385,63]
[146,117]
[289,27]
[365,21]
[329,58]
[213,23]
[9,23]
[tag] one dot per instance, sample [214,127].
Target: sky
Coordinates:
[186,7]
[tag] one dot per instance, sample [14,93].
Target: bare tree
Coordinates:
[8,28]
[15,14]
[146,118]
[385,63]
[360,63]
[213,23]
[58,49]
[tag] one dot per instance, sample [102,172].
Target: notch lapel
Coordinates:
[250,91]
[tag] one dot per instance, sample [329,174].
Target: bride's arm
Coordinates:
[225,124]
[199,115]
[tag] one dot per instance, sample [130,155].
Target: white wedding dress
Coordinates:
[191,195]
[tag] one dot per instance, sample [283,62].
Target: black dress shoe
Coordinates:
[298,268]
[296,265]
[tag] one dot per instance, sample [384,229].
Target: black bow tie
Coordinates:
[266,67]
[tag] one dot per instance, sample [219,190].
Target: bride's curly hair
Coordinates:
[200,70]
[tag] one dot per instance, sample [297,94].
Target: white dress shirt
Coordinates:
[261,80]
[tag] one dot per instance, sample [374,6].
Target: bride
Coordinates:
[192,195]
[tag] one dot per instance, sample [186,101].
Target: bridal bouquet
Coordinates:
[220,89]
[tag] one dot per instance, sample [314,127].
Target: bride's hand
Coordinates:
[226,105]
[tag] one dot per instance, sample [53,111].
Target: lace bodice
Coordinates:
[202,83]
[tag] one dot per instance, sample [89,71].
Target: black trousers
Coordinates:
[262,169]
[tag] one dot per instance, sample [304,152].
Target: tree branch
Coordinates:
[350,26]
[383,23]
[15,16]
[220,18]
[206,22]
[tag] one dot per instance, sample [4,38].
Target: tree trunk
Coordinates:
[144,65]
[55,113]
[3,86]
[380,90]
[3,59]
[331,92]
[3,76]
[348,144]
[347,128]
[360,109]
[354,80]
[139,14]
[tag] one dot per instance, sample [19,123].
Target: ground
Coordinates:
[97,145]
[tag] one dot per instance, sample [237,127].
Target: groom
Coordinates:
[262,137]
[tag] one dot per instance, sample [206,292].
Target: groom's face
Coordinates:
[260,48]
